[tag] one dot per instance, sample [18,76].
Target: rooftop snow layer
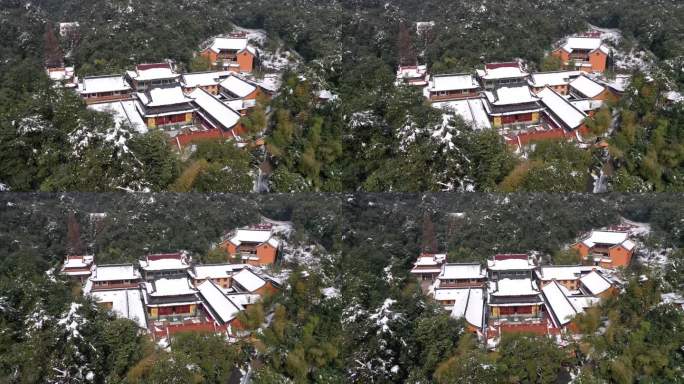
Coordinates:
[163,264]
[472,111]
[561,108]
[510,264]
[511,95]
[564,272]
[123,112]
[583,43]
[229,44]
[558,303]
[248,280]
[542,79]
[515,287]
[204,79]
[214,271]
[605,237]
[595,283]
[250,236]
[501,73]
[170,287]
[126,303]
[157,97]
[586,86]
[219,303]
[212,106]
[453,82]
[115,272]
[237,86]
[99,84]
[461,271]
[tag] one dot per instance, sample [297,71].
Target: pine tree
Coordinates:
[74,244]
[54,58]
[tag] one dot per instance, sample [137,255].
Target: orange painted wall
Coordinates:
[620,256]
[598,59]
[266,254]
[245,60]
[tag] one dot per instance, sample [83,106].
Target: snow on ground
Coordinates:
[280,228]
[330,292]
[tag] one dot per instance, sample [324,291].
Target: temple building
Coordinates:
[113,276]
[428,266]
[513,107]
[607,249]
[559,81]
[78,267]
[453,87]
[166,108]
[102,89]
[170,299]
[586,54]
[255,245]
[147,76]
[507,74]
[165,265]
[231,53]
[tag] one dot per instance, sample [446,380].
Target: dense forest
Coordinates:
[374,137]
[363,246]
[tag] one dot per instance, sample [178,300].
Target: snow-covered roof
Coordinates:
[558,304]
[587,86]
[237,86]
[248,280]
[514,287]
[564,272]
[219,304]
[511,264]
[164,264]
[115,272]
[584,43]
[472,111]
[502,72]
[78,261]
[213,107]
[158,71]
[457,294]
[170,287]
[123,112]
[587,105]
[461,271]
[230,44]
[244,299]
[100,84]
[561,108]
[461,81]
[555,78]
[247,235]
[214,271]
[203,79]
[157,97]
[469,305]
[428,260]
[60,74]
[511,95]
[126,303]
[605,238]
[595,283]
[629,244]
[412,71]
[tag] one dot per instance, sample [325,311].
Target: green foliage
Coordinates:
[529,359]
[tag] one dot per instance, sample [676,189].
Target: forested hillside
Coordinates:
[375,137]
[353,315]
